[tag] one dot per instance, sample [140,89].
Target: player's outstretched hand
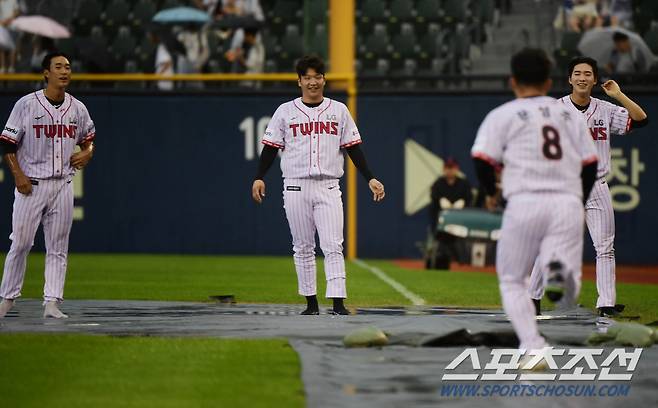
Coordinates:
[377,189]
[611,88]
[80,159]
[23,184]
[258,191]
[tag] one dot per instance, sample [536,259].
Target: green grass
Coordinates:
[99,371]
[273,280]
[194,278]
[477,289]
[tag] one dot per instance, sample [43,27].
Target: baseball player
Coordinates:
[549,164]
[310,132]
[603,119]
[39,139]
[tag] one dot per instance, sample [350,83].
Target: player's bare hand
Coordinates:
[491,203]
[611,88]
[258,191]
[80,159]
[377,189]
[23,184]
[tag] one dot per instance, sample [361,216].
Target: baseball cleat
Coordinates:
[310,312]
[611,311]
[51,310]
[537,303]
[555,284]
[5,306]
[341,312]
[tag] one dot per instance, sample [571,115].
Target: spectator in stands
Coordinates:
[164,62]
[8,11]
[623,58]
[584,15]
[617,12]
[249,57]
[449,191]
[40,47]
[243,8]
[196,54]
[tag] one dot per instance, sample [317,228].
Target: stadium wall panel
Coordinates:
[172,174]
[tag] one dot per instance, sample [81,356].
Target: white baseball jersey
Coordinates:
[46,136]
[541,144]
[603,119]
[311,138]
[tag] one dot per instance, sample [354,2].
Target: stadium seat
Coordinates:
[283,13]
[429,46]
[270,42]
[292,47]
[483,11]
[427,12]
[317,11]
[402,11]
[116,15]
[372,12]
[376,46]
[142,13]
[88,14]
[318,44]
[146,55]
[454,12]
[404,45]
[98,38]
[124,44]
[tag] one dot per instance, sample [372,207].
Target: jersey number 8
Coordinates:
[552,149]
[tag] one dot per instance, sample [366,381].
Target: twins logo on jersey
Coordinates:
[50,131]
[306,129]
[599,131]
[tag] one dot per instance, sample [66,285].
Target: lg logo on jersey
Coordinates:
[11,130]
[306,129]
[598,133]
[51,131]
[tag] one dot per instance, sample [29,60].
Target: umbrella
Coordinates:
[597,43]
[6,42]
[40,25]
[181,15]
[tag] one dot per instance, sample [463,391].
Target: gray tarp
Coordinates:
[392,376]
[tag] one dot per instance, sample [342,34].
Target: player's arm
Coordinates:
[487,153]
[486,174]
[360,162]
[82,158]
[636,113]
[23,184]
[267,157]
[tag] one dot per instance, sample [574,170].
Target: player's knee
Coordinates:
[304,251]
[605,251]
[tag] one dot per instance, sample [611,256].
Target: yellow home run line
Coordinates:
[415,299]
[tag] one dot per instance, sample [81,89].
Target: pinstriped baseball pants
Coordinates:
[600,219]
[50,204]
[316,205]
[548,227]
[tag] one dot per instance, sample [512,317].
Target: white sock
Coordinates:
[5,306]
[51,310]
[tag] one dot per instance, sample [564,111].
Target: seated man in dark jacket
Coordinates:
[449,191]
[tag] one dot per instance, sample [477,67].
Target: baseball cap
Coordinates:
[450,162]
